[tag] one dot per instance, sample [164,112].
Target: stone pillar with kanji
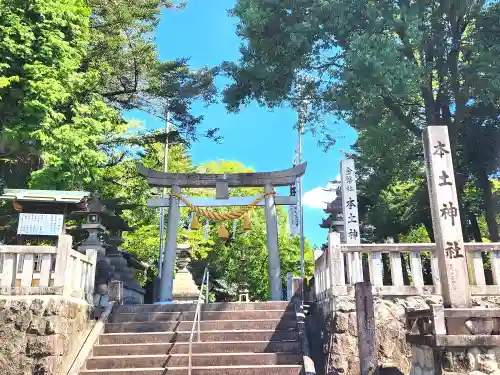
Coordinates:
[446,218]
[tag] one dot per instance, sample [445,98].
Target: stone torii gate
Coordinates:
[222,182]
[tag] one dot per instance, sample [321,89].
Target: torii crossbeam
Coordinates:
[222,182]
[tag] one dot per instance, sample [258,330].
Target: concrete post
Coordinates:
[167,278]
[335,263]
[273,250]
[365,316]
[289,293]
[115,291]
[298,288]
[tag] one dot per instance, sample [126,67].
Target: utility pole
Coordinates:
[302,114]
[163,193]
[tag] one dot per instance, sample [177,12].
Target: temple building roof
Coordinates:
[44,195]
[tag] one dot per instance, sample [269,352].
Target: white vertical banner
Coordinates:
[294,219]
[294,211]
[351,218]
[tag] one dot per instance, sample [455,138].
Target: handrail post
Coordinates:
[197,317]
[190,355]
[206,287]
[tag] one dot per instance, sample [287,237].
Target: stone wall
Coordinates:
[39,334]
[422,361]
[340,340]
[340,346]
[472,361]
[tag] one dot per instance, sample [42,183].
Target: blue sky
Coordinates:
[257,137]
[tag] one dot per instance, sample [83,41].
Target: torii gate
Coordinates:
[222,182]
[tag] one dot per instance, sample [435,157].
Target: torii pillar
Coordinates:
[222,182]
[273,251]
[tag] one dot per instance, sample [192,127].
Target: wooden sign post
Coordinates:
[351,218]
[446,218]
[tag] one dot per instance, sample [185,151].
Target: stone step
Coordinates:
[169,337]
[205,359]
[211,370]
[218,306]
[205,315]
[198,347]
[207,325]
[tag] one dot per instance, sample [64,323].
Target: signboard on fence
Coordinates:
[40,224]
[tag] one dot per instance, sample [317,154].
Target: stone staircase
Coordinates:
[236,339]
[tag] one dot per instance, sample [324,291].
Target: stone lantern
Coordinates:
[105,228]
[94,213]
[120,261]
[184,288]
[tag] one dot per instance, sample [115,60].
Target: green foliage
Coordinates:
[415,235]
[127,184]
[389,69]
[131,75]
[41,46]
[68,69]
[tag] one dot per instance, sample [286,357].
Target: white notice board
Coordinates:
[40,224]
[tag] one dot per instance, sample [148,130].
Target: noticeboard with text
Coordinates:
[40,224]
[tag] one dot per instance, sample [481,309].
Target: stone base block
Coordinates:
[470,361]
[132,297]
[39,333]
[422,361]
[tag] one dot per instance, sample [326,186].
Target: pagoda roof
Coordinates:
[334,207]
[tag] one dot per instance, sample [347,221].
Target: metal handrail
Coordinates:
[197,315]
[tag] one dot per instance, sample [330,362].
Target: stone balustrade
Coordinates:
[47,270]
[334,268]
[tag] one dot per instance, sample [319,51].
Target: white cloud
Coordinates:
[318,197]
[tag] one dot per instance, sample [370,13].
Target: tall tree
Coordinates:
[62,122]
[68,70]
[389,68]
[123,52]
[41,46]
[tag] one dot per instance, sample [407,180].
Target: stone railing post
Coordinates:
[115,291]
[62,274]
[335,262]
[289,293]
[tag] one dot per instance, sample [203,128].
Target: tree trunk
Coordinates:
[490,209]
[428,227]
[475,230]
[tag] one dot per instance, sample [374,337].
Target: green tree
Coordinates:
[389,69]
[41,46]
[62,66]
[131,75]
[125,183]
[68,70]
